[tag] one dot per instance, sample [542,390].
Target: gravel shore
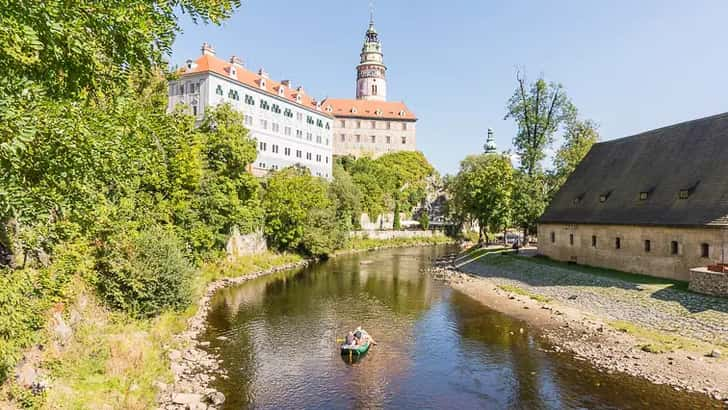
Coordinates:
[574,310]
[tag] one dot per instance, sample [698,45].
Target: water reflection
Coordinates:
[436,347]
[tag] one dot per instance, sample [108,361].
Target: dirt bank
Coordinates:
[591,338]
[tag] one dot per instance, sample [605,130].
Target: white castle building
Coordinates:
[371,125]
[289,126]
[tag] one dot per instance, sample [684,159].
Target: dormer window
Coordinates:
[298,98]
[262,83]
[329,109]
[402,113]
[603,197]
[644,195]
[233,71]
[281,90]
[353,110]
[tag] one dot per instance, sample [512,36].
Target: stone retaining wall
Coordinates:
[242,245]
[710,283]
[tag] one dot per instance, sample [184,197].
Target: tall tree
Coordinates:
[579,137]
[482,189]
[539,109]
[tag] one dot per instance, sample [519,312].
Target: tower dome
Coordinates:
[371,81]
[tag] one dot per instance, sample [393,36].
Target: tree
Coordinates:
[290,195]
[424,220]
[579,137]
[345,195]
[482,189]
[539,110]
[530,197]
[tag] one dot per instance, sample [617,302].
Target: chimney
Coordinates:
[235,60]
[286,83]
[208,49]
[263,73]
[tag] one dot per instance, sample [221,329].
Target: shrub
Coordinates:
[424,220]
[322,233]
[146,275]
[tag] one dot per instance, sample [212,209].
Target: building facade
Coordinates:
[289,126]
[654,203]
[370,125]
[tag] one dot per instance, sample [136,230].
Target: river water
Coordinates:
[437,348]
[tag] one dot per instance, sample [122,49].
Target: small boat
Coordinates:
[357,349]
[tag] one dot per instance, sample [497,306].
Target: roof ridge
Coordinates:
[666,127]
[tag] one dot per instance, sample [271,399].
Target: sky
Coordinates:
[631,66]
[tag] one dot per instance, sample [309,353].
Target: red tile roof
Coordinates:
[211,63]
[393,110]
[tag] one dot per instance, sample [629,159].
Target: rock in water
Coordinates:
[215,398]
[715,353]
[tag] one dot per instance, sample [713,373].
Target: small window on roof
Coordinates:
[603,197]
[684,194]
[644,195]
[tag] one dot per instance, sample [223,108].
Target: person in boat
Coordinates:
[361,336]
[350,339]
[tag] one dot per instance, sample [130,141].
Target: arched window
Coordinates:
[374,89]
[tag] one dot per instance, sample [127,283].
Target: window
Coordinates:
[358,124]
[389,139]
[342,124]
[287,151]
[298,153]
[644,195]
[605,196]
[248,120]
[274,167]
[618,243]
[404,140]
[309,120]
[182,89]
[318,157]
[343,138]
[404,126]
[218,90]
[327,161]
[571,239]
[318,139]
[249,100]
[553,237]
[264,124]
[594,241]
[327,142]
[192,87]
[374,139]
[684,194]
[275,127]
[262,146]
[389,125]
[374,125]
[327,126]
[299,134]
[674,248]
[309,136]
[274,148]
[319,123]
[194,110]
[704,250]
[358,138]
[261,165]
[287,131]
[299,116]
[648,245]
[308,156]
[374,90]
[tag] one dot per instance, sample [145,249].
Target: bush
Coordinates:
[323,234]
[146,275]
[424,220]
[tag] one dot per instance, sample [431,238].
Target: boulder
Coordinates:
[215,398]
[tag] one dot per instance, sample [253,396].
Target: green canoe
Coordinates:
[357,350]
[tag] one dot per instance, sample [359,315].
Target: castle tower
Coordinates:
[489,146]
[371,82]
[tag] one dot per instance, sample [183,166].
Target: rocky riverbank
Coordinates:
[587,336]
[194,367]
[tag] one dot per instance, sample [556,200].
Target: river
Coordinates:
[437,348]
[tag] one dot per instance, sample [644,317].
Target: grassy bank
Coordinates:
[112,359]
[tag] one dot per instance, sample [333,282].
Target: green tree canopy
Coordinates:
[579,137]
[482,190]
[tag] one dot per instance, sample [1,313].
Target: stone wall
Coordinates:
[395,234]
[633,255]
[710,283]
[385,221]
[241,245]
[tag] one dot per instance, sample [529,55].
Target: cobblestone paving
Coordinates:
[658,306]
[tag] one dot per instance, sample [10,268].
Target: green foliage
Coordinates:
[289,197]
[539,109]
[397,175]
[579,137]
[396,224]
[530,198]
[145,275]
[483,190]
[323,232]
[424,221]
[345,196]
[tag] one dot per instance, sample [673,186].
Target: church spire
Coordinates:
[489,146]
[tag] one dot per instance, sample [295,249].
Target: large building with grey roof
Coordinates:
[655,203]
